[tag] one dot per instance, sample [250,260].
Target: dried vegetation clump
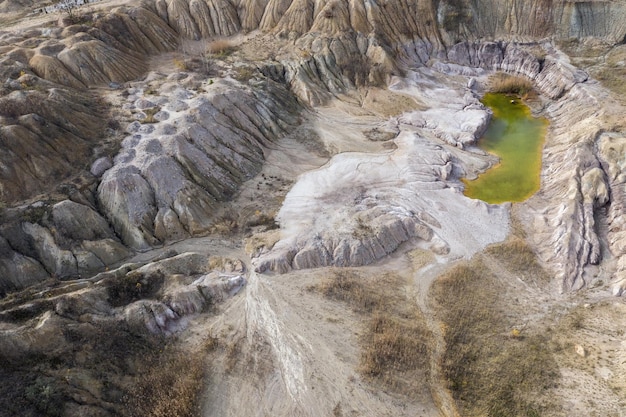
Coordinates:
[169,383]
[517,256]
[492,367]
[395,341]
[220,47]
[108,366]
[510,84]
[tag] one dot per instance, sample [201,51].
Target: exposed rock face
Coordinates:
[170,176]
[66,240]
[18,271]
[612,152]
[39,142]
[533,19]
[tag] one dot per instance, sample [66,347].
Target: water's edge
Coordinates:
[517,138]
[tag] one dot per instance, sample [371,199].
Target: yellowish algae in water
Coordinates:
[516,137]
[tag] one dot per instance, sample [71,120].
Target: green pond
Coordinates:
[516,137]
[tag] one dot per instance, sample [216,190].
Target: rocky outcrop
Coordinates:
[39,142]
[575,186]
[95,331]
[170,176]
[612,153]
[66,240]
[18,271]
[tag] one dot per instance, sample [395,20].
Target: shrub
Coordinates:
[150,115]
[132,287]
[220,47]
[243,73]
[46,395]
[180,64]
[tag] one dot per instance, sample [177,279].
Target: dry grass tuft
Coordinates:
[181,64]
[225,224]
[221,47]
[169,384]
[510,84]
[348,287]
[394,345]
[489,372]
[518,257]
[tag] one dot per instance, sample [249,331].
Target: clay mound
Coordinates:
[95,63]
[138,30]
[50,68]
[170,177]
[297,19]
[40,141]
[113,49]
[8,6]
[274,11]
[251,13]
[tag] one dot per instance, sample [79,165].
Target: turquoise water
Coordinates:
[517,138]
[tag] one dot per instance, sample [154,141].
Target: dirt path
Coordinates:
[422,281]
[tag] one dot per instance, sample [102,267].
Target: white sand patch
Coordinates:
[360,206]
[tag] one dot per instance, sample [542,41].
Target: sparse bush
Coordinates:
[394,344]
[225,224]
[262,219]
[243,73]
[70,10]
[150,115]
[348,287]
[200,64]
[180,64]
[510,84]
[132,287]
[220,47]
[34,213]
[46,395]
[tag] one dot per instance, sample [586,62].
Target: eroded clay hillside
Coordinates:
[271,191]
